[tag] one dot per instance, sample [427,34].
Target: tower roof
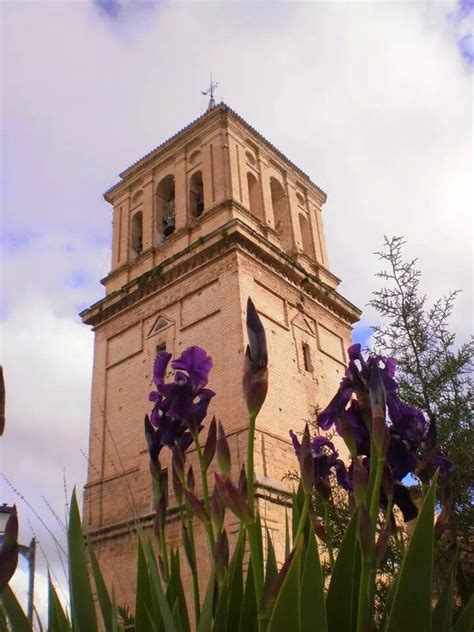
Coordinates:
[221,109]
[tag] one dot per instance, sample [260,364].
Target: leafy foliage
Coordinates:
[434,375]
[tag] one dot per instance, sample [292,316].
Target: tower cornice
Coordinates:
[234,235]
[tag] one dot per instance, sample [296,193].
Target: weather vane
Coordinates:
[210,92]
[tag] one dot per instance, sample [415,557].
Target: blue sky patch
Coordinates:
[361,334]
[77,279]
[410,480]
[13,242]
[110,8]
[466,48]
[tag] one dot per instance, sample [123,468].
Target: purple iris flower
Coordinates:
[402,499]
[411,444]
[325,459]
[180,406]
[159,367]
[432,457]
[337,405]
[401,457]
[442,462]
[196,363]
[407,420]
[355,423]
[355,379]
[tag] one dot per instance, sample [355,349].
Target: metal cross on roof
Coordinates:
[210,92]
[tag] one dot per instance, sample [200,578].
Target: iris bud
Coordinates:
[233,499]
[319,529]
[380,432]
[242,485]
[223,451]
[347,434]
[222,554]
[190,482]
[306,462]
[217,510]
[255,380]
[9,551]
[196,506]
[210,446]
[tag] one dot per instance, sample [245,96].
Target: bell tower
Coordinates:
[213,215]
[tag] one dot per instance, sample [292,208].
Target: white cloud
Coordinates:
[19,585]
[47,361]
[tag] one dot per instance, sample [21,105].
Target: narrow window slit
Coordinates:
[307,358]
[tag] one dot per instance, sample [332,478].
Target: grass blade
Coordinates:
[205,620]
[82,601]
[272,569]
[15,614]
[443,613]
[312,606]
[236,583]
[411,607]
[102,592]
[248,613]
[286,610]
[164,607]
[143,600]
[57,619]
[339,600]
[465,622]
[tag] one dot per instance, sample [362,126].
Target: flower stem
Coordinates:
[197,600]
[362,609]
[182,518]
[372,461]
[161,535]
[250,465]
[304,514]
[374,507]
[327,528]
[375,497]
[205,491]
[367,581]
[257,561]
[164,554]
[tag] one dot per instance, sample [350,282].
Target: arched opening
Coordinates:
[137,233]
[306,240]
[196,194]
[165,210]
[255,196]
[281,213]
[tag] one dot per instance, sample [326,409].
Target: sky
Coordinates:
[373,100]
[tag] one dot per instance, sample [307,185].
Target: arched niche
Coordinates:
[250,158]
[165,207]
[300,198]
[137,234]
[281,213]
[255,196]
[136,197]
[306,241]
[195,156]
[196,194]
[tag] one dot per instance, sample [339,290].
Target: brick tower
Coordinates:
[211,216]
